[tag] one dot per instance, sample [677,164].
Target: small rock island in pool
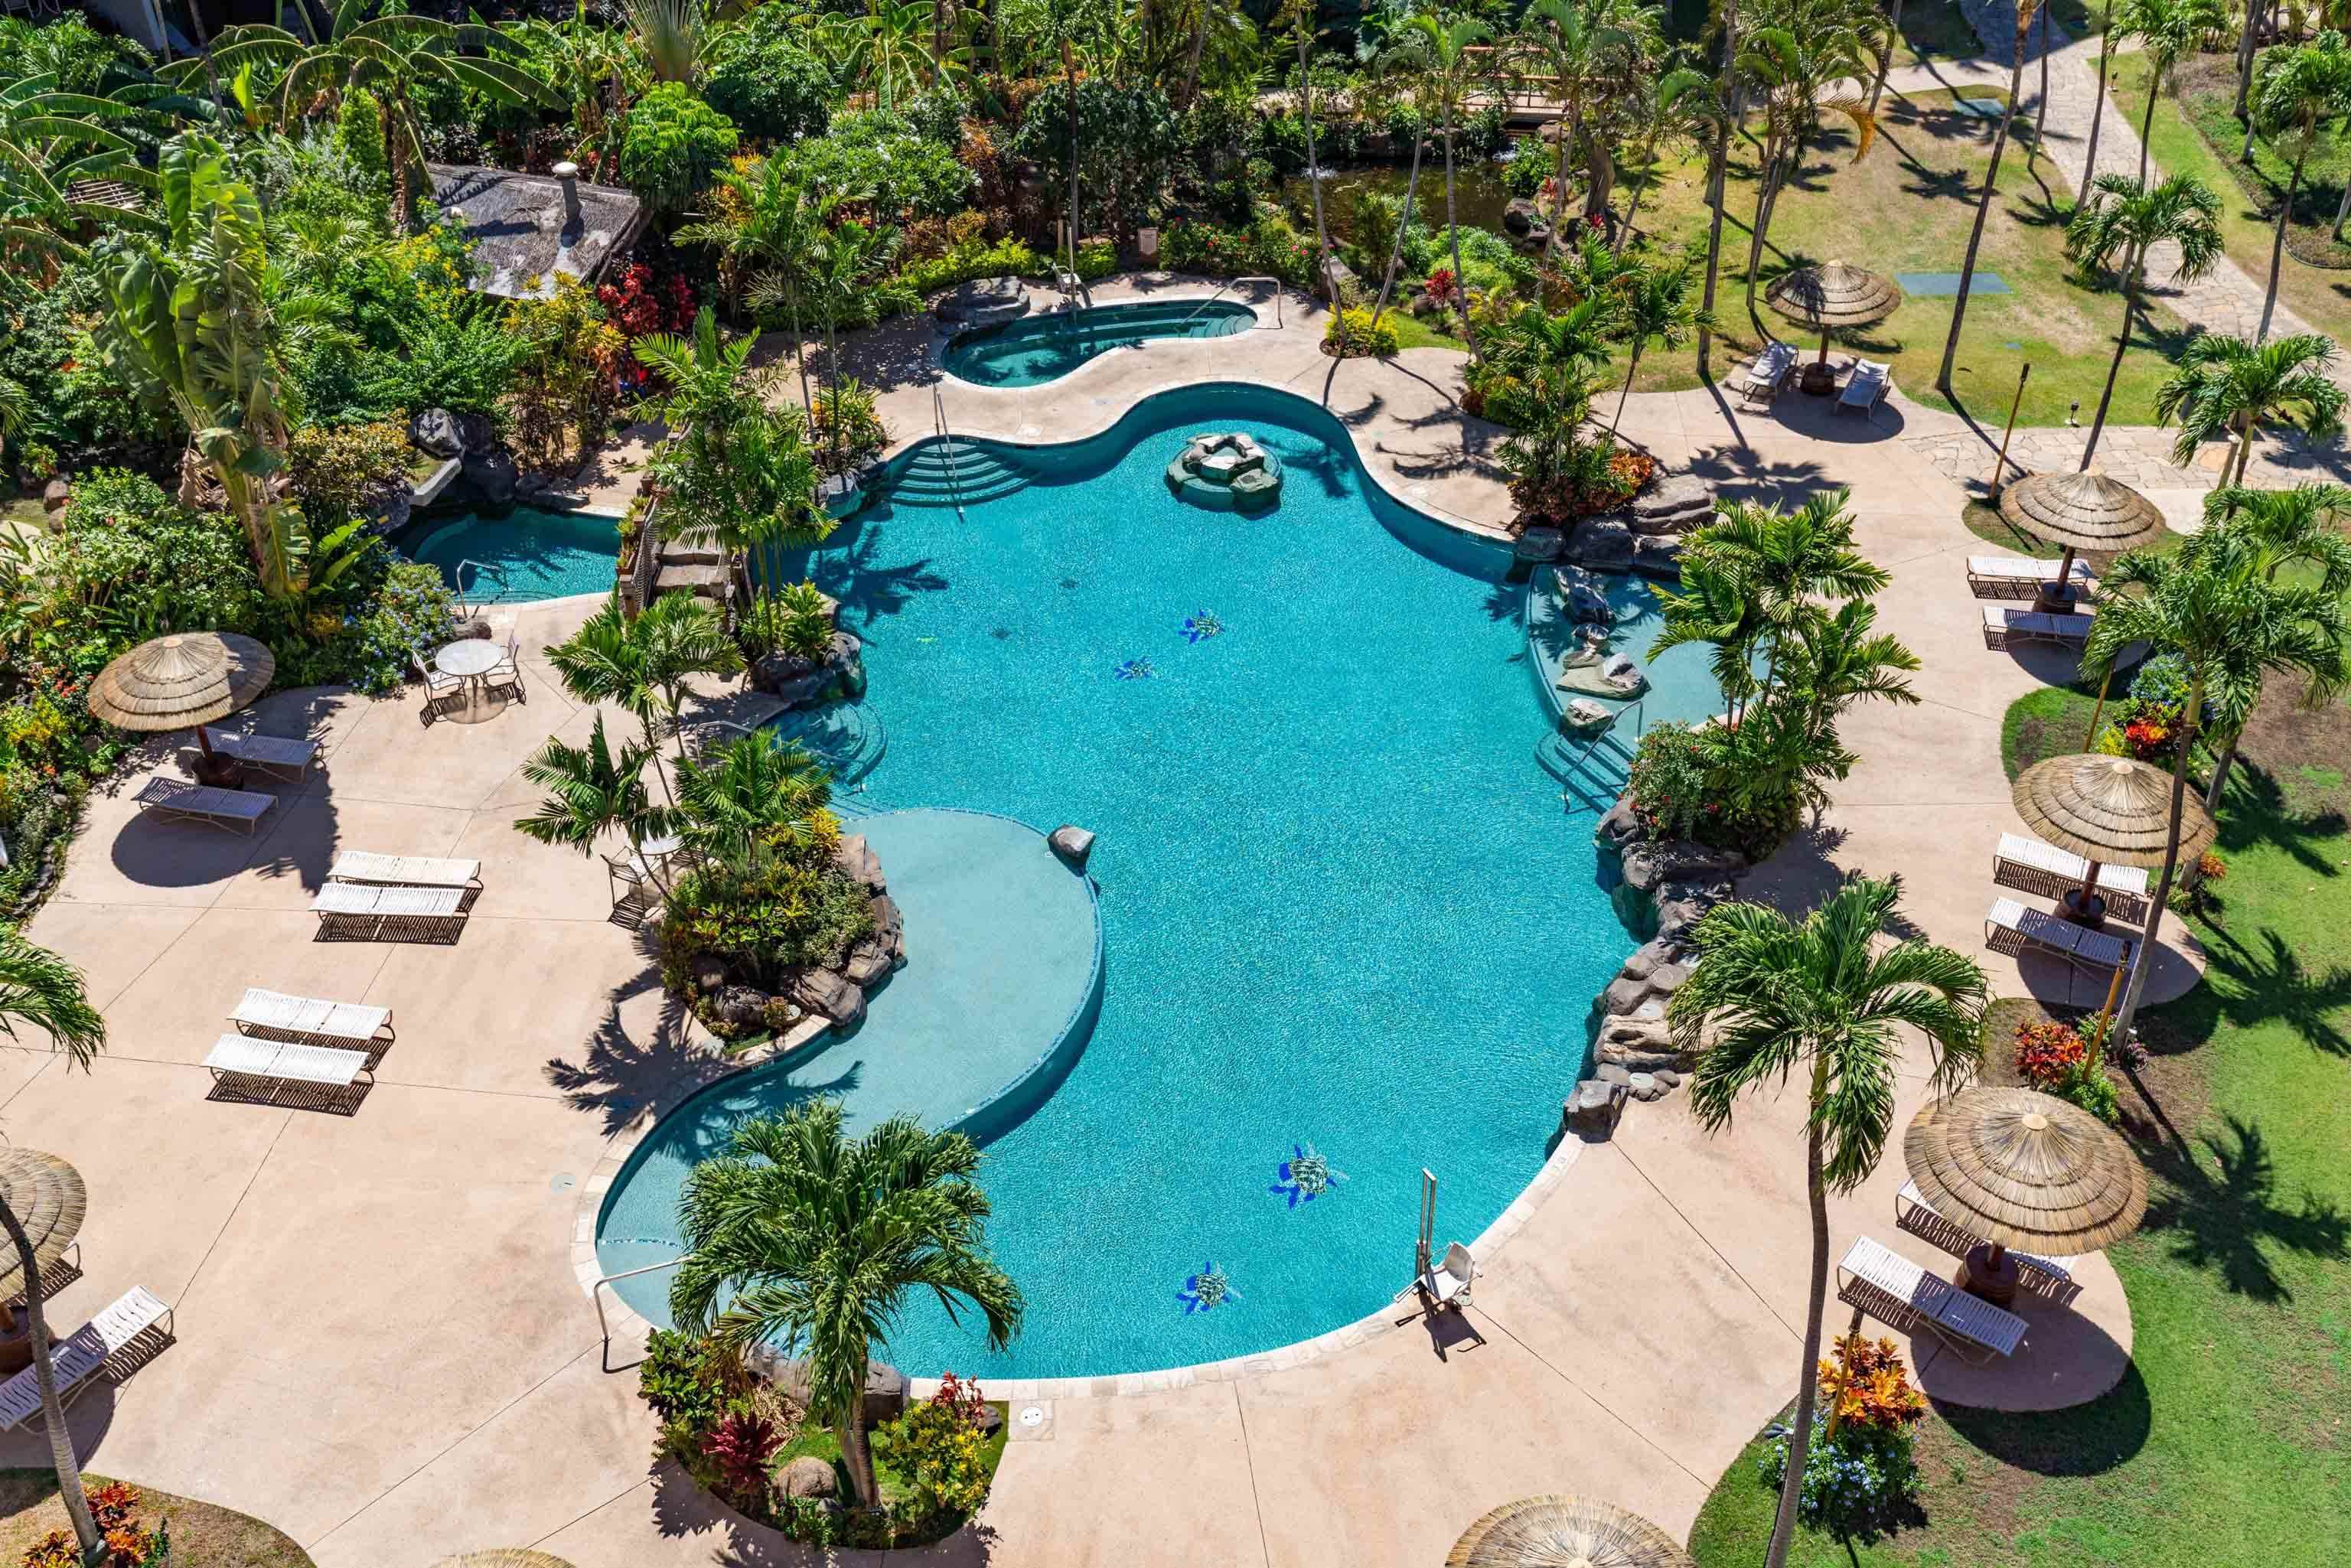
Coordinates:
[1226,472]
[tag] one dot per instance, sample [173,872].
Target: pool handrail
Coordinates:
[481,569]
[596,1295]
[947,447]
[1237,282]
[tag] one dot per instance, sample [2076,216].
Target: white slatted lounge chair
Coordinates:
[280,1063]
[1447,1284]
[405,870]
[1866,388]
[307,1020]
[440,692]
[1768,372]
[1901,1295]
[2015,577]
[134,1324]
[2002,626]
[2047,1277]
[290,759]
[2031,866]
[2012,929]
[362,911]
[238,809]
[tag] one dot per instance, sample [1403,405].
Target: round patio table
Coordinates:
[470,658]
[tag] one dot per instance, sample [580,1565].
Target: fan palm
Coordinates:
[1444,45]
[2231,626]
[2026,11]
[1655,308]
[40,989]
[2120,224]
[800,1236]
[750,797]
[2302,87]
[2224,386]
[2168,31]
[591,791]
[1776,999]
[668,36]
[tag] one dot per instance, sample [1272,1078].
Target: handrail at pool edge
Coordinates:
[1236,282]
[596,1295]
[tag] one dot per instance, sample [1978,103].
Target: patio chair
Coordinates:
[629,881]
[1866,388]
[2044,1277]
[288,759]
[239,809]
[2012,929]
[2003,626]
[2045,870]
[2014,577]
[122,1338]
[1447,1284]
[1768,372]
[442,692]
[1902,1295]
[307,1020]
[265,1070]
[505,677]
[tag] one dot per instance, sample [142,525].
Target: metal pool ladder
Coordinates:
[482,569]
[946,449]
[1237,282]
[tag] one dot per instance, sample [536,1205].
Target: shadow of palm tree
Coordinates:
[2229,1222]
[2258,816]
[2273,983]
[2087,1440]
[850,567]
[624,1080]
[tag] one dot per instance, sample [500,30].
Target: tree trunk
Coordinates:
[2221,773]
[1886,60]
[1070,75]
[2244,447]
[1314,182]
[1649,169]
[800,344]
[2245,59]
[2277,251]
[1791,1487]
[2115,365]
[1404,222]
[2040,109]
[2343,210]
[2147,120]
[1453,232]
[1767,197]
[1569,133]
[2097,118]
[1631,369]
[1983,211]
[1192,64]
[53,1413]
[1715,180]
[2142,958]
[856,1455]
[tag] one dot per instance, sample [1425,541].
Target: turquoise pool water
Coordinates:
[525,555]
[1344,908]
[1046,348]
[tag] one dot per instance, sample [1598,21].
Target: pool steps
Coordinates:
[949,473]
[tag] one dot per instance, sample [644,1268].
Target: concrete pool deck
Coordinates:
[382,1346]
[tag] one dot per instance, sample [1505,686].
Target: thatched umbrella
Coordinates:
[185,680]
[49,1201]
[1562,1532]
[2110,811]
[2080,512]
[2016,1167]
[1829,299]
[504,1557]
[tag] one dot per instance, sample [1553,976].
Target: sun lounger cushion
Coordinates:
[250,1058]
[2015,577]
[177,798]
[310,1017]
[76,1359]
[2004,625]
[2012,928]
[367,910]
[2029,865]
[276,752]
[405,870]
[1893,1288]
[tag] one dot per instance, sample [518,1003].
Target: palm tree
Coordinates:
[772,225]
[2225,385]
[814,1241]
[2121,223]
[1710,607]
[1444,45]
[2230,626]
[1300,15]
[1729,111]
[2106,36]
[591,791]
[644,667]
[2301,87]
[1407,60]
[39,989]
[742,799]
[668,37]
[1572,40]
[1782,563]
[1777,997]
[845,258]
[1791,64]
[1682,101]
[1657,307]
[2026,11]
[1836,658]
[2168,31]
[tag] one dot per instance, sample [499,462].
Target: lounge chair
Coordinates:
[1902,1295]
[2014,577]
[505,677]
[2045,1277]
[1447,1284]
[2031,866]
[406,870]
[442,692]
[2012,929]
[307,1020]
[1768,372]
[125,1335]
[2002,626]
[362,911]
[244,1065]
[290,759]
[239,809]
[1866,388]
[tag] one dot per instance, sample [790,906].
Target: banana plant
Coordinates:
[51,141]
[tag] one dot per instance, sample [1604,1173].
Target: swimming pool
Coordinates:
[535,554]
[1343,909]
[1038,349]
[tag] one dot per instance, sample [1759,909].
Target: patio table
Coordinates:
[470,658]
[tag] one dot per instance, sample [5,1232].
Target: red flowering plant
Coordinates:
[1442,286]
[740,1449]
[638,305]
[2048,1054]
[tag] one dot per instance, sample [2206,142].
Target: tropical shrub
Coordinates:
[674,146]
[359,136]
[1861,1478]
[845,427]
[685,1379]
[1721,786]
[113,1509]
[938,1448]
[464,362]
[793,620]
[567,378]
[2147,723]
[1530,165]
[1097,259]
[885,158]
[792,909]
[1267,246]
[740,1449]
[1361,339]
[962,263]
[339,471]
[2055,1059]
[764,82]
[1128,141]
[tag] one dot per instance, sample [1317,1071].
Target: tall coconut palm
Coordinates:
[2121,223]
[2230,626]
[1407,61]
[814,1241]
[1654,308]
[1445,43]
[2301,527]
[591,791]
[2168,32]
[40,989]
[1682,103]
[2224,386]
[1821,999]
[1730,111]
[2106,36]
[1803,49]
[2026,11]
[2299,90]
[1300,15]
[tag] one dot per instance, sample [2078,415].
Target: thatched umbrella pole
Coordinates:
[185,681]
[2110,811]
[2078,512]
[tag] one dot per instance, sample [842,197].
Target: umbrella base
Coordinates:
[217,772]
[2062,601]
[1819,379]
[2089,911]
[1979,1277]
[16,1340]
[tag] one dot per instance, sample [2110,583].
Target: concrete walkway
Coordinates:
[382,1348]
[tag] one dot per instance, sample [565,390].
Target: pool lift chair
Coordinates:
[1440,1282]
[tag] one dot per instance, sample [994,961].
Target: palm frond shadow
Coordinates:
[2227,1218]
[2258,815]
[2088,1440]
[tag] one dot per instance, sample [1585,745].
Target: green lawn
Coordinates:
[1907,206]
[203,1535]
[2227,1443]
